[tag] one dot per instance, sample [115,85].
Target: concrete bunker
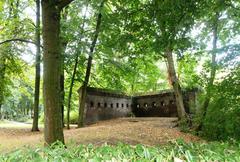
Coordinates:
[103,104]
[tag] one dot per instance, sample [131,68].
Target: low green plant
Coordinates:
[215,151]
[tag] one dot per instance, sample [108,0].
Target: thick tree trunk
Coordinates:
[53,127]
[37,70]
[175,84]
[212,72]
[88,71]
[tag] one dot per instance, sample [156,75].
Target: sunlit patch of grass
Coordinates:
[14,124]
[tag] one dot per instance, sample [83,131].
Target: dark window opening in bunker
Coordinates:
[99,104]
[122,105]
[154,104]
[171,102]
[145,105]
[127,105]
[117,105]
[162,103]
[105,105]
[111,105]
[91,104]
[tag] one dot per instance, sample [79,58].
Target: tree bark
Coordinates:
[62,91]
[64,43]
[37,70]
[53,128]
[70,92]
[0,111]
[175,84]
[53,125]
[88,70]
[2,72]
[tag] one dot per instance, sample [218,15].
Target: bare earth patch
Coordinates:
[148,131]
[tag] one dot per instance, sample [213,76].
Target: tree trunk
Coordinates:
[213,68]
[175,84]
[0,111]
[37,70]
[70,91]
[74,73]
[64,43]
[62,77]
[62,88]
[53,128]
[2,72]
[212,72]
[89,65]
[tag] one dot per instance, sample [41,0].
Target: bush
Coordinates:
[41,118]
[73,117]
[223,116]
[124,152]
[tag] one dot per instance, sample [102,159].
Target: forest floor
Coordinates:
[147,131]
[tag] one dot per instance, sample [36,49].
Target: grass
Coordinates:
[178,150]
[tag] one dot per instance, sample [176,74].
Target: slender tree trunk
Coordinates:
[37,70]
[64,43]
[70,92]
[213,69]
[2,72]
[62,88]
[212,72]
[0,111]
[73,74]
[88,71]
[62,77]
[175,84]
[53,128]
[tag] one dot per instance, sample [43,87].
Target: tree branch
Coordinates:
[64,3]
[19,40]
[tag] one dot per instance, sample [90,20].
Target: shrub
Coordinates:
[73,117]
[223,116]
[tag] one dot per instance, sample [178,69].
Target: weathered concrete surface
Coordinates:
[102,104]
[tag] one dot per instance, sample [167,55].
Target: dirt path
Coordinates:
[148,131]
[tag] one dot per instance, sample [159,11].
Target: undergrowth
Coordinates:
[214,151]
